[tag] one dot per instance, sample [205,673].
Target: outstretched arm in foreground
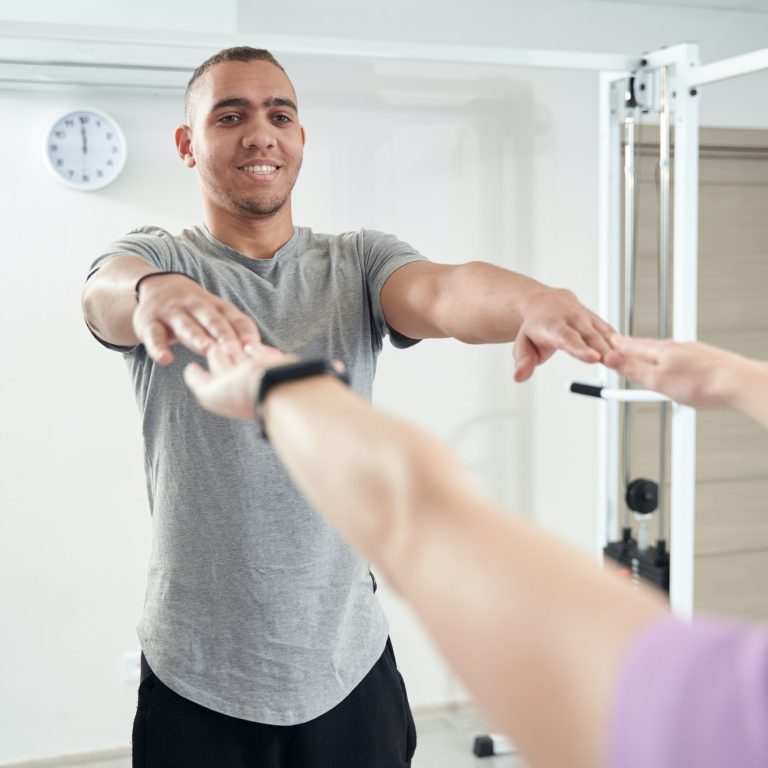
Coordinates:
[694,373]
[536,631]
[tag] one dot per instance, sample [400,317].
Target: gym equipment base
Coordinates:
[651,564]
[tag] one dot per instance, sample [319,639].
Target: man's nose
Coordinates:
[260,134]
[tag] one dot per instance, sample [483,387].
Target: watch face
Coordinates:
[85,149]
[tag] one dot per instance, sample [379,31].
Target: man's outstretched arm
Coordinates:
[536,631]
[170,308]
[482,303]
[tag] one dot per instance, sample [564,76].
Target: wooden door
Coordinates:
[731,537]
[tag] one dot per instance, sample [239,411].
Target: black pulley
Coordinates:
[642,496]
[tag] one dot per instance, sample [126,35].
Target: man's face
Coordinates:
[244,137]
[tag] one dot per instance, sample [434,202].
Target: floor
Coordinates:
[445,740]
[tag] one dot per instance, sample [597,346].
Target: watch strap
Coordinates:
[295,371]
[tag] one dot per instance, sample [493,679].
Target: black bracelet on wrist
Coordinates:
[301,369]
[156,274]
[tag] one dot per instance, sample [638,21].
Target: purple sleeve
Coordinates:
[693,695]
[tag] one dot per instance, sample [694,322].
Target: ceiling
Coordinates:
[748,6]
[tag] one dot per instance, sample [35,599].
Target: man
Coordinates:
[265,644]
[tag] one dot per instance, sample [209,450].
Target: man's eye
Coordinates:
[282,119]
[229,118]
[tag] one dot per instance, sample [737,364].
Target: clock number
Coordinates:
[59,162]
[109,135]
[84,119]
[115,149]
[100,173]
[70,173]
[54,147]
[69,122]
[86,177]
[110,162]
[60,134]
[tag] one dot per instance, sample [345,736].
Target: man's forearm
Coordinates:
[109,300]
[482,303]
[536,631]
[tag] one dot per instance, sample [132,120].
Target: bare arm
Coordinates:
[694,373]
[172,309]
[481,303]
[536,631]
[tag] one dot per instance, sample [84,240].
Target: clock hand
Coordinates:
[85,142]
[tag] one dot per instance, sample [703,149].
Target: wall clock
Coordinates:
[85,149]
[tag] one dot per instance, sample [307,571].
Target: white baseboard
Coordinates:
[103,758]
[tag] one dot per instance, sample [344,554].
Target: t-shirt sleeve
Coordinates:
[148,243]
[383,254]
[693,695]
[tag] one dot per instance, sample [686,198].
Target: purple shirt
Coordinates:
[693,695]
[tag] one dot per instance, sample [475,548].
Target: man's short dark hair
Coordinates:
[238,53]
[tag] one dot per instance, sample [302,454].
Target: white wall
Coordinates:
[484,164]
[193,16]
[74,528]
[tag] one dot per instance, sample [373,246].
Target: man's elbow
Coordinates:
[87,304]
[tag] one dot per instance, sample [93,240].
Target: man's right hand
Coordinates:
[175,309]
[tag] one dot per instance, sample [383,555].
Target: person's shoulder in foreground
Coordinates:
[693,695]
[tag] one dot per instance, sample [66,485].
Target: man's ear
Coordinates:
[183,138]
[303,136]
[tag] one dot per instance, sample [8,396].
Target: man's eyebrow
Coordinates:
[275,101]
[278,101]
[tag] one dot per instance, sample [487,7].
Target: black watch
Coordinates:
[301,369]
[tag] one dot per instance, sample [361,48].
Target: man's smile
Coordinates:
[261,170]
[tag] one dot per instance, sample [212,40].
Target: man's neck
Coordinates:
[257,238]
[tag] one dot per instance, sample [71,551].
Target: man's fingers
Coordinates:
[614,359]
[647,350]
[606,330]
[236,351]
[190,333]
[243,326]
[199,324]
[597,334]
[526,358]
[157,341]
[571,341]
[216,325]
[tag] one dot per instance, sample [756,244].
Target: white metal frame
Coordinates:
[88,60]
[683,60]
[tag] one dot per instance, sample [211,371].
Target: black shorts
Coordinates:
[372,728]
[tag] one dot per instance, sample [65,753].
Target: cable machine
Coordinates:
[666,83]
[642,497]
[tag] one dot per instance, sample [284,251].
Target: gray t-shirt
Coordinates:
[255,607]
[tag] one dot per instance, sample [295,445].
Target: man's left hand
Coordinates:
[555,319]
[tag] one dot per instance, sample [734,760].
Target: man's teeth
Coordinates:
[260,168]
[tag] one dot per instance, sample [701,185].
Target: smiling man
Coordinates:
[264,643]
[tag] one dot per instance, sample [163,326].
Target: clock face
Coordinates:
[85,149]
